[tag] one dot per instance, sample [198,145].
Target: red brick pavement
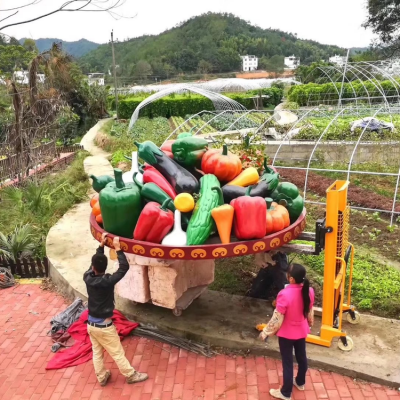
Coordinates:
[25,313]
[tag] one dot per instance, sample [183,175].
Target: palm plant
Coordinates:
[19,243]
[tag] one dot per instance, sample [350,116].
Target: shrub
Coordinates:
[181,105]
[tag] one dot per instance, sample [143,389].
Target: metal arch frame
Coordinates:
[208,122]
[359,71]
[186,121]
[263,124]
[217,99]
[395,198]
[316,145]
[295,124]
[358,142]
[382,92]
[386,74]
[355,93]
[244,115]
[323,70]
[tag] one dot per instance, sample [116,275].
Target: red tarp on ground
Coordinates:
[81,351]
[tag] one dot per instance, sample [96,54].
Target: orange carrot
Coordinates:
[223,217]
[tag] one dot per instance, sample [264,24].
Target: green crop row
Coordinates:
[312,92]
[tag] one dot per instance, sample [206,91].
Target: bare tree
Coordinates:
[108,6]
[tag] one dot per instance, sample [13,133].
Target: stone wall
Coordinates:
[297,151]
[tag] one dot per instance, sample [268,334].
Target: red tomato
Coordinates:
[96,209]
[94,200]
[99,219]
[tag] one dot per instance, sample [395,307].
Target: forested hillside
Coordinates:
[207,43]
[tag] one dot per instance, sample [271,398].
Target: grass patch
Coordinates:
[234,275]
[41,204]
[115,138]
[376,286]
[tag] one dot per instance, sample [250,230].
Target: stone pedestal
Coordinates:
[164,282]
[168,284]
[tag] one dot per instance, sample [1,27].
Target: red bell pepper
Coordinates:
[250,217]
[152,175]
[154,223]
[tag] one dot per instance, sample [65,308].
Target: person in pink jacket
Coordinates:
[291,322]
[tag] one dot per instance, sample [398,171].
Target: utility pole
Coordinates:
[115,72]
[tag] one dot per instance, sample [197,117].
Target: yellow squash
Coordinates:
[246,178]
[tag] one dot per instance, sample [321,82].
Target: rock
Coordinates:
[134,285]
[168,284]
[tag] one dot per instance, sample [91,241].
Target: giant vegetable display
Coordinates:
[175,207]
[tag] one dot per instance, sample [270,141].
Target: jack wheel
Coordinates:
[177,311]
[353,319]
[345,343]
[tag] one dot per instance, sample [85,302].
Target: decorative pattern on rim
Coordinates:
[207,251]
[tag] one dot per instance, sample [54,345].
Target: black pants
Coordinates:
[286,348]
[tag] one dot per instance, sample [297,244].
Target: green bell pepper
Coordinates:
[189,151]
[186,134]
[288,195]
[120,205]
[201,225]
[270,177]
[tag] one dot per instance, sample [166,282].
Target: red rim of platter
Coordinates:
[206,251]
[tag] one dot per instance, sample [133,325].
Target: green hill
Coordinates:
[207,43]
[76,49]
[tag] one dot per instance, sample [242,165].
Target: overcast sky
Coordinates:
[329,22]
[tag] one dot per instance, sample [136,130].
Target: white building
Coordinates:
[96,78]
[292,62]
[338,60]
[250,63]
[22,77]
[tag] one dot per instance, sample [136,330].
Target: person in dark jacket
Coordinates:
[102,332]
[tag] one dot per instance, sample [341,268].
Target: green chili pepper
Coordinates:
[270,177]
[189,151]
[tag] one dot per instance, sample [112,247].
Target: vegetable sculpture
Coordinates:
[201,224]
[171,199]
[180,179]
[120,206]
[286,193]
[249,221]
[154,223]
[224,165]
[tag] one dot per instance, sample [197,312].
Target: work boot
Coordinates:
[277,394]
[300,387]
[136,377]
[106,378]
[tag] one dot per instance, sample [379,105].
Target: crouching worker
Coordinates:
[291,322]
[102,332]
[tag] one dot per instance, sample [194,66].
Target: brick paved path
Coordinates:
[174,374]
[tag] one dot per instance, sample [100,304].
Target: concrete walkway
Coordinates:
[25,349]
[69,244]
[217,318]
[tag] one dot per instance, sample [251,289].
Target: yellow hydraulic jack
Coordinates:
[332,234]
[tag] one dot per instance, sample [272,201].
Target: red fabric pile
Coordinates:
[81,351]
